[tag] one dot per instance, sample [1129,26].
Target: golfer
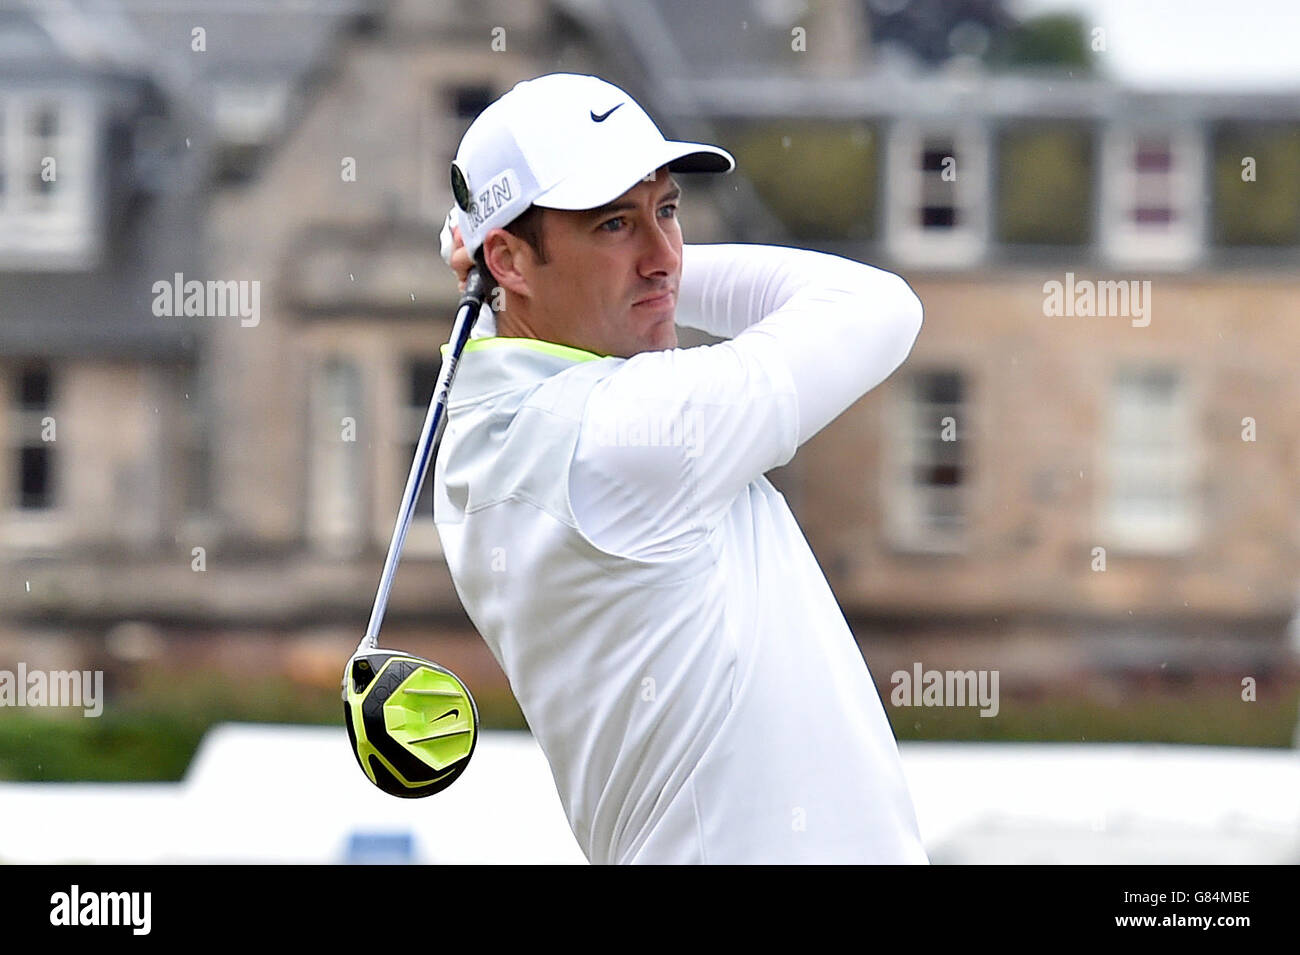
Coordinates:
[600,497]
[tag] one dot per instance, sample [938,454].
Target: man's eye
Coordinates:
[619,221]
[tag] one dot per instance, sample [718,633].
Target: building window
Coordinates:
[1045,177]
[928,476]
[337,498]
[468,101]
[1256,189]
[1152,190]
[421,375]
[937,198]
[44,138]
[195,442]
[46,168]
[33,429]
[1149,502]
[1152,164]
[939,208]
[246,117]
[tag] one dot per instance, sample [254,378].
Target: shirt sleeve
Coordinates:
[671,437]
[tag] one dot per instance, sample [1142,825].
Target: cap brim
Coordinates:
[605,182]
[700,157]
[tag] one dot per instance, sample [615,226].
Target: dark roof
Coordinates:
[244,41]
[22,41]
[732,37]
[107,310]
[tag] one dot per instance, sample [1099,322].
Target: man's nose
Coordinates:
[661,255]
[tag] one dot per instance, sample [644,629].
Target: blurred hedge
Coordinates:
[1045,184]
[151,735]
[1165,717]
[1266,210]
[151,732]
[819,177]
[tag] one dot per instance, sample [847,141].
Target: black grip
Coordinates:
[477,287]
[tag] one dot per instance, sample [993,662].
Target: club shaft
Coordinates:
[435,421]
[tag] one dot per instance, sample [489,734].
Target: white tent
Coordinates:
[265,793]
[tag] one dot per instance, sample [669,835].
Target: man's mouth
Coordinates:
[661,300]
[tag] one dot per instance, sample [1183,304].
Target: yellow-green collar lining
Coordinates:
[549,348]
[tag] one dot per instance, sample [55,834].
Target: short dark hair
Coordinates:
[527,226]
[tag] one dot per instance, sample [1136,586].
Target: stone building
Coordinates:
[1095,437]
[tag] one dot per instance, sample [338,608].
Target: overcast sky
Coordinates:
[1193,44]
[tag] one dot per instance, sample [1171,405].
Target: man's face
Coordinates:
[609,284]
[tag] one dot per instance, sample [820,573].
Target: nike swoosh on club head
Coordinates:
[448,713]
[605,115]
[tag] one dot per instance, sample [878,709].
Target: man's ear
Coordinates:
[504,254]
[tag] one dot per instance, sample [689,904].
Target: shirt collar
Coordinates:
[495,364]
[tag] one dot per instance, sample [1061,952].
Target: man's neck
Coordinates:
[514,321]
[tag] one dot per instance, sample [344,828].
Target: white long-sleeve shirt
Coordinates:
[664,625]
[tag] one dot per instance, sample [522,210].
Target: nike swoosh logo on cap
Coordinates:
[603,116]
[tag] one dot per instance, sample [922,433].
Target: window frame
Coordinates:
[422,538]
[1183,458]
[907,240]
[61,232]
[26,529]
[1124,242]
[905,510]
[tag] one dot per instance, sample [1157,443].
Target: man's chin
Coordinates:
[659,336]
[664,334]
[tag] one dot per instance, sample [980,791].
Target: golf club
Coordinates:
[412,723]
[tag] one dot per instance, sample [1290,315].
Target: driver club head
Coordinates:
[412,723]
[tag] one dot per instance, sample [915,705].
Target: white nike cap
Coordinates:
[563,141]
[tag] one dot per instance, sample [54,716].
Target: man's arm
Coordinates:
[671,437]
[842,326]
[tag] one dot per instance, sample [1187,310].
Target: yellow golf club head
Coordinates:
[412,723]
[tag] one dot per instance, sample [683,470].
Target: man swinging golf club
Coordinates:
[600,496]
